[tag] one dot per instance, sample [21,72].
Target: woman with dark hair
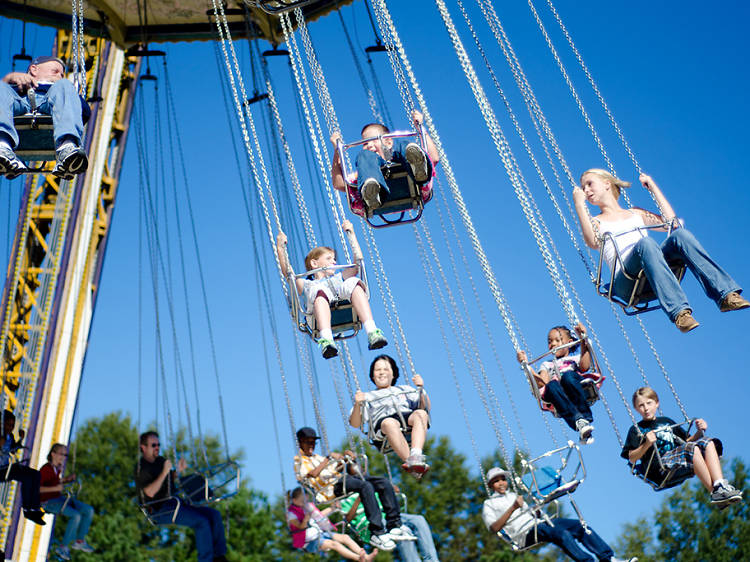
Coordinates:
[394,411]
[79,514]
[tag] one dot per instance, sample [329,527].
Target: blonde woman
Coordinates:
[638,251]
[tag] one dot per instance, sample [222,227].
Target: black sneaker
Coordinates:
[71,161]
[10,166]
[35,515]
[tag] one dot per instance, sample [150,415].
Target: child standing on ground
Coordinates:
[326,284]
[373,188]
[559,379]
[676,449]
[384,407]
[308,535]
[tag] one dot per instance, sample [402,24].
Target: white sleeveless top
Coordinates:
[627,233]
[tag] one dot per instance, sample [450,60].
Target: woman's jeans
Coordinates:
[79,516]
[652,258]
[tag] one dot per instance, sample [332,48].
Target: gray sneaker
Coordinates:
[615,559]
[382,542]
[371,194]
[724,495]
[417,159]
[71,161]
[402,533]
[585,430]
[10,166]
[376,340]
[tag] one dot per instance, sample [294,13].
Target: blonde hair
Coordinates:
[315,253]
[616,183]
[646,391]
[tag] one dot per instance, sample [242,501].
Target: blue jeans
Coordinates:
[369,163]
[652,258]
[408,549]
[61,101]
[79,516]
[568,398]
[566,534]
[208,527]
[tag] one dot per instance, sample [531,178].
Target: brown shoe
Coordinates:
[685,321]
[733,301]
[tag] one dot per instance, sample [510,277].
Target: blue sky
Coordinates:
[673,77]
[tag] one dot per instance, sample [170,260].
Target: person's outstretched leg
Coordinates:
[593,542]
[716,282]
[559,536]
[361,305]
[64,104]
[555,395]
[322,314]
[391,429]
[418,420]
[408,152]
[192,517]
[11,104]
[647,255]
[387,495]
[571,384]
[368,165]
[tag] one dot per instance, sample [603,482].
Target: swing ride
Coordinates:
[63,227]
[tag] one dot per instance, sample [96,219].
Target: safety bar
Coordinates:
[655,454]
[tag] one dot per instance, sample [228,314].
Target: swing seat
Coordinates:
[35,139]
[642,294]
[155,511]
[667,478]
[222,481]
[547,485]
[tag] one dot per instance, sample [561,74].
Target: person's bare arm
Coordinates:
[667,212]
[585,362]
[589,236]
[21,80]
[355,419]
[348,229]
[541,377]
[337,174]
[424,401]
[701,426]
[432,150]
[281,254]
[299,525]
[638,452]
[500,523]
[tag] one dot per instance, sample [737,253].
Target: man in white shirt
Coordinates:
[505,510]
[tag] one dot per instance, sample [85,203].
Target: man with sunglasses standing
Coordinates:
[155,482]
[507,511]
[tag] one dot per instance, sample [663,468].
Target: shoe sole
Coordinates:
[418,162]
[330,352]
[377,345]
[686,329]
[416,470]
[732,309]
[75,164]
[9,171]
[371,195]
[722,504]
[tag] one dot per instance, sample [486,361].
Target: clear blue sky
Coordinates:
[672,74]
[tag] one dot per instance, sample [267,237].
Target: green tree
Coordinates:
[688,528]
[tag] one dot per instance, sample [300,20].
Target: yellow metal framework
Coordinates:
[52,241]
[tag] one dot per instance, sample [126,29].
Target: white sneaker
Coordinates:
[383,542]
[585,429]
[615,559]
[10,166]
[402,533]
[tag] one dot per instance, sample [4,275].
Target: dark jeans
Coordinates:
[29,480]
[566,534]
[208,527]
[366,489]
[568,398]
[369,163]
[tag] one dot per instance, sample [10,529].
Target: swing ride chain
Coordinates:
[451,363]
[313,124]
[467,332]
[245,118]
[483,317]
[303,351]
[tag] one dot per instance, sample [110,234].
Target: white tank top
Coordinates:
[626,232]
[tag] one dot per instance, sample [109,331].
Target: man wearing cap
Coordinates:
[504,510]
[54,95]
[325,475]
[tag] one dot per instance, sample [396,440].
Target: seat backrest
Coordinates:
[547,480]
[35,137]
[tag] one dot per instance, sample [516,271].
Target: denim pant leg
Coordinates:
[64,104]
[194,518]
[422,531]
[55,506]
[387,496]
[560,535]
[369,503]
[217,528]
[647,255]
[87,514]
[716,282]
[407,551]
[29,480]
[555,394]
[399,155]
[368,165]
[571,384]
[11,104]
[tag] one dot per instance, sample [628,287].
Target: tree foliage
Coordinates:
[688,528]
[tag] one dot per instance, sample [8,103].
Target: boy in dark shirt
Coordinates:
[676,449]
[155,480]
